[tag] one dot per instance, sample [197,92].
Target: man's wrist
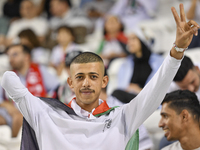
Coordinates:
[175,54]
[178,49]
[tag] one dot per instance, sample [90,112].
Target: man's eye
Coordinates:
[93,77]
[165,116]
[78,77]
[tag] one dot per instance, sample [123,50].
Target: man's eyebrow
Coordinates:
[93,73]
[88,73]
[163,113]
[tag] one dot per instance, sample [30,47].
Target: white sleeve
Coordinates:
[13,86]
[149,99]
[25,101]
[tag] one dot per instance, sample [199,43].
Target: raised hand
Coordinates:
[185,30]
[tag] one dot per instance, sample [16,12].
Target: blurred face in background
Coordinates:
[191,81]
[27,9]
[17,57]
[58,8]
[112,24]
[64,37]
[134,44]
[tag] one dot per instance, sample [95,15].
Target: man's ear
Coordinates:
[69,81]
[105,81]
[185,115]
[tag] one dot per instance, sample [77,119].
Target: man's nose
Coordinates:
[160,124]
[86,82]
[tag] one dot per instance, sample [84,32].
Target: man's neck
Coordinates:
[29,18]
[65,45]
[88,107]
[191,140]
[103,96]
[64,13]
[23,71]
[112,35]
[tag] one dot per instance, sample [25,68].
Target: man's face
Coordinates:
[191,81]
[27,9]
[170,122]
[64,36]
[134,44]
[112,24]
[16,57]
[58,8]
[87,80]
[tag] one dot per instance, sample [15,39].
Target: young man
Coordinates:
[187,77]
[89,123]
[180,116]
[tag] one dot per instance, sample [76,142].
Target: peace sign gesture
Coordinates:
[184,31]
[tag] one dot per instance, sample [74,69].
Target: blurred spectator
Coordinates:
[132,12]
[140,65]
[39,54]
[96,9]
[66,44]
[187,77]
[34,76]
[114,43]
[193,13]
[64,14]
[29,20]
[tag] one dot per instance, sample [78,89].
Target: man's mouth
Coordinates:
[165,130]
[86,91]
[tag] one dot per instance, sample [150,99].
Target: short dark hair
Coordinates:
[25,48]
[183,99]
[87,57]
[186,65]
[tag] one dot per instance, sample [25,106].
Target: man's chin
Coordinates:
[167,136]
[170,138]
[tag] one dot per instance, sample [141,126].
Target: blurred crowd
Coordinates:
[39,38]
